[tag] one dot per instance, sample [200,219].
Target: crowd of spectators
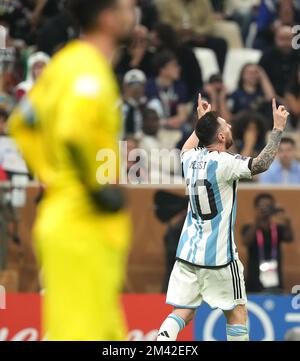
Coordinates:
[160,74]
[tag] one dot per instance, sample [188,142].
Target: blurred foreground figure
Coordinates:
[82,231]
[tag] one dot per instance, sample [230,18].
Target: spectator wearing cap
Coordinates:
[134,102]
[36,64]
[168,89]
[285,169]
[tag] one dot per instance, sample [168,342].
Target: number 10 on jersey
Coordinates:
[202,199]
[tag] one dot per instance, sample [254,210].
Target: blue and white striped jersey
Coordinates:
[207,237]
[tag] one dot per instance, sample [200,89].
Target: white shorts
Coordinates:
[222,288]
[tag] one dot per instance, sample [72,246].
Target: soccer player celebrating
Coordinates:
[208,267]
[82,230]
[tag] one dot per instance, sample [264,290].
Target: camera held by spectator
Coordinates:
[263,240]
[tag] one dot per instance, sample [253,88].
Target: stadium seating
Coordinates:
[235,60]
[207,61]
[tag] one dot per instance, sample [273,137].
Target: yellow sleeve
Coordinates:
[88,123]
[23,127]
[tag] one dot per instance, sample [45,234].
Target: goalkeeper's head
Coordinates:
[115,18]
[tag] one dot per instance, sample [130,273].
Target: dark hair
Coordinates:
[241,81]
[287,140]
[294,84]
[206,128]
[167,36]
[4,114]
[242,121]
[215,78]
[85,12]
[149,113]
[261,196]
[162,59]
[150,119]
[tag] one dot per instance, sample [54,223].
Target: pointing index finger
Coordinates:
[199,99]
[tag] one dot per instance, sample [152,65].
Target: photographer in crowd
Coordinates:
[263,240]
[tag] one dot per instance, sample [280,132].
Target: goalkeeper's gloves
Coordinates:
[110,198]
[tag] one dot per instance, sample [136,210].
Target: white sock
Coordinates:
[170,328]
[237,333]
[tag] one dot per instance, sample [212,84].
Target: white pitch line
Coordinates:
[292,317]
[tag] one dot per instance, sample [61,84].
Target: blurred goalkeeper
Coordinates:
[82,230]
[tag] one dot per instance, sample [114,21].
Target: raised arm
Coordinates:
[263,161]
[203,108]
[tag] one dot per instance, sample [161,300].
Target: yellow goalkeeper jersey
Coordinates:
[70,115]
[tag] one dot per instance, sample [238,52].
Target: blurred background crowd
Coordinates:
[238,53]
